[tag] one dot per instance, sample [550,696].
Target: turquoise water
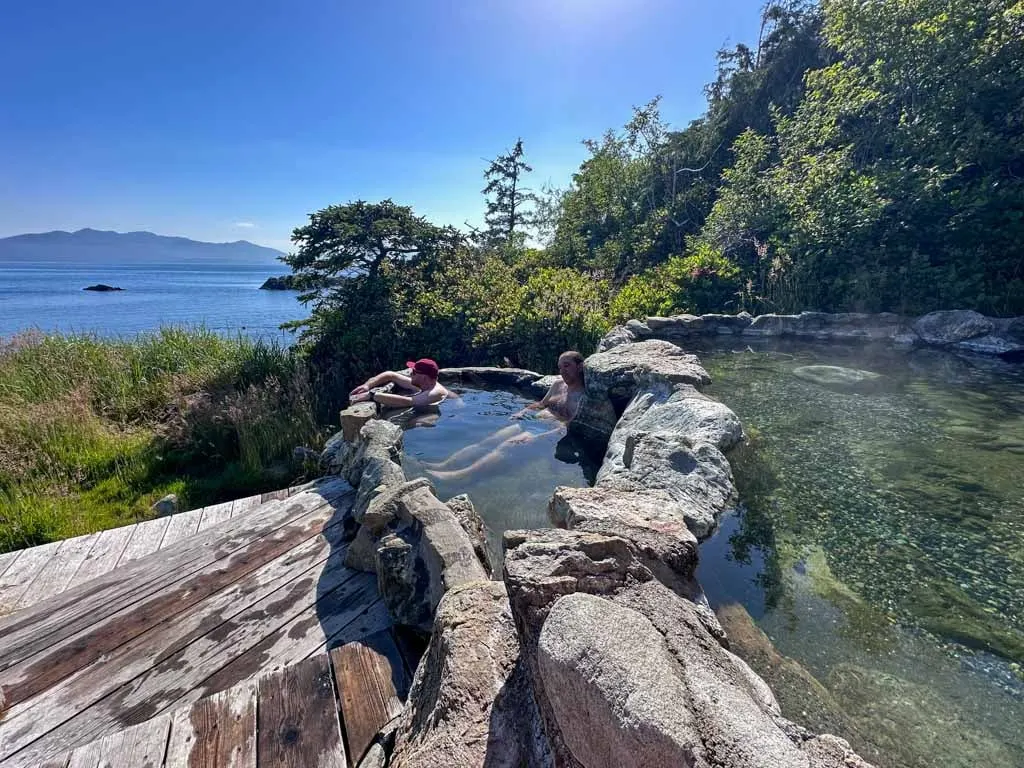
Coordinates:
[223,297]
[513,491]
[880,543]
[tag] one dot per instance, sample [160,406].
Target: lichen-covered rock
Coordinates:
[383,508]
[615,337]
[625,369]
[650,521]
[680,410]
[952,326]
[655,698]
[354,417]
[471,703]
[696,477]
[518,378]
[832,752]
[615,693]
[427,554]
[377,439]
[474,526]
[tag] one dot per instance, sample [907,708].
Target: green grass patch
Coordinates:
[93,431]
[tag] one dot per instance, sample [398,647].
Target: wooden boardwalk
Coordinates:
[256,590]
[30,575]
[320,713]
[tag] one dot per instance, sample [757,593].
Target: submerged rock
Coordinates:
[837,377]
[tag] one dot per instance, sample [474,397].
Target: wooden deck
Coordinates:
[322,712]
[262,587]
[30,575]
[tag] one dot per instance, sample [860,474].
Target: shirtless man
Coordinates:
[560,404]
[420,389]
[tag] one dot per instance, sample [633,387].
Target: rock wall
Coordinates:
[963,330]
[598,650]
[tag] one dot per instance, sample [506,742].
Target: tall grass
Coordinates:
[93,431]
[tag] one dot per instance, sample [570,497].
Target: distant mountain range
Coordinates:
[99,246]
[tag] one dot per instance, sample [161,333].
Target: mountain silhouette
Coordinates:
[99,246]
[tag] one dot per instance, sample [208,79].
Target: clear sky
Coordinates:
[226,120]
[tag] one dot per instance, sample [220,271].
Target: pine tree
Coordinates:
[508,200]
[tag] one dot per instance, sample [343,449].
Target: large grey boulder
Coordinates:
[426,554]
[678,410]
[627,368]
[650,521]
[474,526]
[615,376]
[951,327]
[471,703]
[615,693]
[354,418]
[695,476]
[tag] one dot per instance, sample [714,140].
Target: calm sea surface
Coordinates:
[223,297]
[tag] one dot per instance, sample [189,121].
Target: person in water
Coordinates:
[560,405]
[419,390]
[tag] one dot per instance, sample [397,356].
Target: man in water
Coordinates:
[560,405]
[419,390]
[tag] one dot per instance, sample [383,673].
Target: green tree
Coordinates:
[508,199]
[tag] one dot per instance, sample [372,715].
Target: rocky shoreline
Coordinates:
[598,648]
[958,330]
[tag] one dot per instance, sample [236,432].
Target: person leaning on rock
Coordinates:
[420,389]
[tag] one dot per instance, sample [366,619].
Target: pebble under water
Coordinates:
[879,542]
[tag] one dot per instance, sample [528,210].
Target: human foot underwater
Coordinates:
[557,408]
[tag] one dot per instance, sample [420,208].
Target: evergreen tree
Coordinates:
[508,200]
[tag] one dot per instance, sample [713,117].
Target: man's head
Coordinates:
[570,366]
[423,372]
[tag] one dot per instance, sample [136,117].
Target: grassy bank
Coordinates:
[93,431]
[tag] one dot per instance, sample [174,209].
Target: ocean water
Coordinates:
[223,297]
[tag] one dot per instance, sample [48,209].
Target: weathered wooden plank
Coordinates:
[298,719]
[145,539]
[370,678]
[57,762]
[79,710]
[56,574]
[215,514]
[139,746]
[348,614]
[275,495]
[6,559]
[241,506]
[216,732]
[19,575]
[174,615]
[103,556]
[299,488]
[36,628]
[182,525]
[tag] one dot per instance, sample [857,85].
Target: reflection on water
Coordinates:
[513,492]
[880,541]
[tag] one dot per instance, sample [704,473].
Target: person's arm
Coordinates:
[387,377]
[540,405]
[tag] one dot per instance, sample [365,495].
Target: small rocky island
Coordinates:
[282,283]
[102,287]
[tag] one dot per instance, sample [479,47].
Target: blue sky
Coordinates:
[223,120]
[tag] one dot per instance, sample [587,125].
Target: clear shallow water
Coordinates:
[514,491]
[222,297]
[880,542]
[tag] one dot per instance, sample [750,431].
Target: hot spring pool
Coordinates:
[880,543]
[514,491]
